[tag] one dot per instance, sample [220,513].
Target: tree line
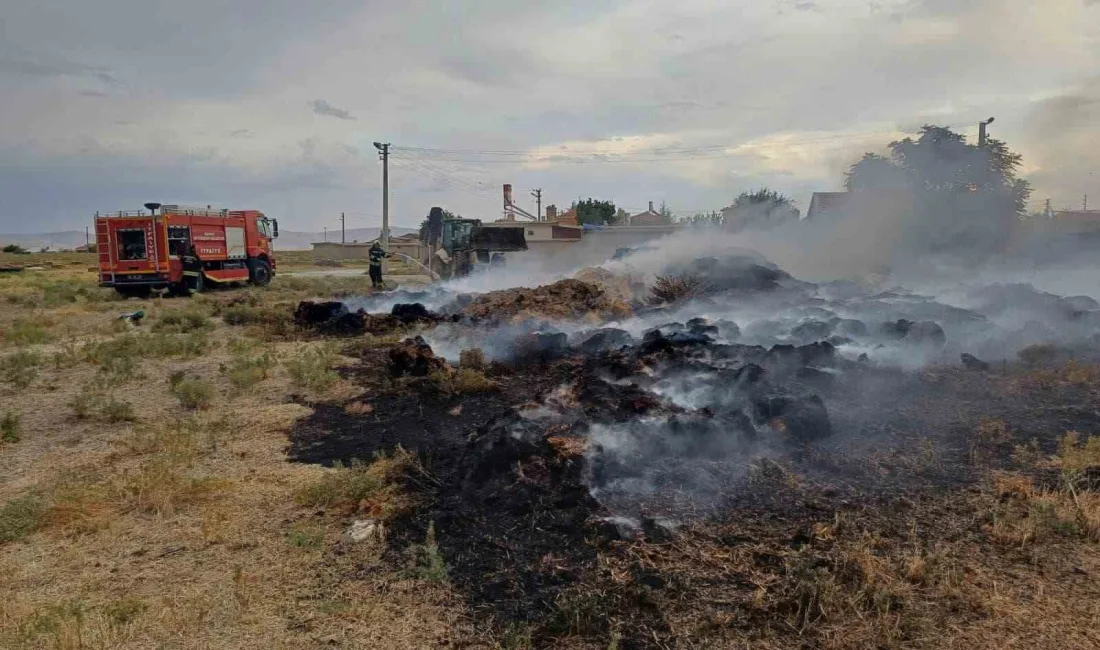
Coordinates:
[949,192]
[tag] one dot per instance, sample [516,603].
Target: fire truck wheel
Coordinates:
[261,273]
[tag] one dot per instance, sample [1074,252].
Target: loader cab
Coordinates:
[457,233]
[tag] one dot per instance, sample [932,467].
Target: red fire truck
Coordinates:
[183,249]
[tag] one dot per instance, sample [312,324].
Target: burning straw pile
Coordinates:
[564,300]
[579,492]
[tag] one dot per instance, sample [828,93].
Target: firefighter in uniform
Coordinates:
[376,257]
[192,269]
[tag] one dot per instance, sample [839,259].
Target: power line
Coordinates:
[444,180]
[449,180]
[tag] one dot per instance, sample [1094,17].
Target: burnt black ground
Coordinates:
[523,537]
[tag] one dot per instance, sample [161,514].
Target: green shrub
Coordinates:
[114,410]
[21,368]
[121,355]
[425,560]
[175,378]
[274,320]
[29,332]
[92,401]
[474,359]
[21,517]
[379,487]
[125,611]
[68,356]
[1040,354]
[311,368]
[245,371]
[463,381]
[677,288]
[51,292]
[194,393]
[182,321]
[306,537]
[85,403]
[9,427]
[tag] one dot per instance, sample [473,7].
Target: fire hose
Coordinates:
[431,274]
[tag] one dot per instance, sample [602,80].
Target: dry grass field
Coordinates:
[147,500]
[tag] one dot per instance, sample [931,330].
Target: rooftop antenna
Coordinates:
[152,207]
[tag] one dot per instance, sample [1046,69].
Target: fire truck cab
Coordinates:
[183,249]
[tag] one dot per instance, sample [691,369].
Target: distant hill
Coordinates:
[54,240]
[288,239]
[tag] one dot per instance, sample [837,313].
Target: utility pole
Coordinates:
[1085,208]
[982,138]
[384,154]
[343,239]
[88,239]
[538,202]
[326,233]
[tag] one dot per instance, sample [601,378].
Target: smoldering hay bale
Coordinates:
[627,287]
[414,358]
[563,300]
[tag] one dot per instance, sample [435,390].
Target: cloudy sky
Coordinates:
[274,104]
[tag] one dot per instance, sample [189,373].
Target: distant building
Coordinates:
[408,244]
[1076,221]
[878,203]
[1063,222]
[649,218]
[411,246]
[549,237]
[825,203]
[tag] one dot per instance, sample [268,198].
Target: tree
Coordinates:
[15,248]
[591,211]
[763,208]
[874,171]
[666,213]
[622,217]
[712,218]
[960,196]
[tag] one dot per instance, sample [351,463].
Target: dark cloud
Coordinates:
[321,107]
[206,47]
[508,75]
[1061,142]
[56,69]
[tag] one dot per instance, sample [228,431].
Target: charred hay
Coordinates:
[564,300]
[336,319]
[531,505]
